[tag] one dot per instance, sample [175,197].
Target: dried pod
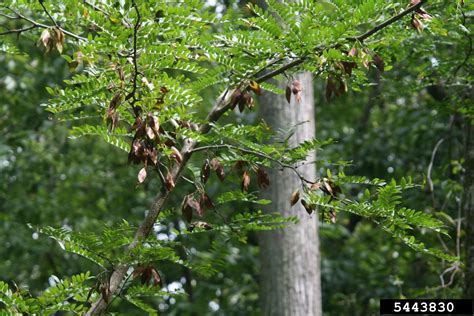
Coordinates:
[176,155]
[116,100]
[59,39]
[199,224]
[297,88]
[142,175]
[288,94]
[235,99]
[330,188]
[216,166]
[146,274]
[348,66]
[205,202]
[315,186]
[308,207]
[184,124]
[137,151]
[245,181]
[295,196]
[255,87]
[152,126]
[248,100]
[379,63]
[242,103]
[205,171]
[353,52]
[239,166]
[332,216]
[262,178]
[416,23]
[186,209]
[189,203]
[194,204]
[423,14]
[112,119]
[47,40]
[169,182]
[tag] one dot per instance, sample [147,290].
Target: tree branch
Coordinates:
[221,106]
[132,94]
[41,25]
[256,154]
[49,15]
[19,31]
[360,38]
[386,23]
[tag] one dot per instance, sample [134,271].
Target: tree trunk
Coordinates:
[468,208]
[290,258]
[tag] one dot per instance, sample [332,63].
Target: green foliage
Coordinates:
[382,207]
[143,75]
[66,295]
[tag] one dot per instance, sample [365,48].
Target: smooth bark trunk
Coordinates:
[290,258]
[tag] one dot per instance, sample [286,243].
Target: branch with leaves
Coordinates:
[149,85]
[36,24]
[222,105]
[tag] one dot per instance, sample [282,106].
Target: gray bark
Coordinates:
[290,258]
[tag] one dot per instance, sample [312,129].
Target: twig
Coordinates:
[96,8]
[19,31]
[386,23]
[455,269]
[160,175]
[132,94]
[49,15]
[257,154]
[359,38]
[458,230]
[433,156]
[44,26]
[9,16]
[430,166]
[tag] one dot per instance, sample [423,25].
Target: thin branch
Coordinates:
[132,94]
[256,154]
[49,15]
[18,31]
[9,16]
[21,16]
[386,23]
[454,268]
[430,166]
[458,230]
[220,107]
[96,8]
[281,70]
[360,38]
[433,156]
[160,175]
[45,26]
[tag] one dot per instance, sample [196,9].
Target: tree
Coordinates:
[291,254]
[142,70]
